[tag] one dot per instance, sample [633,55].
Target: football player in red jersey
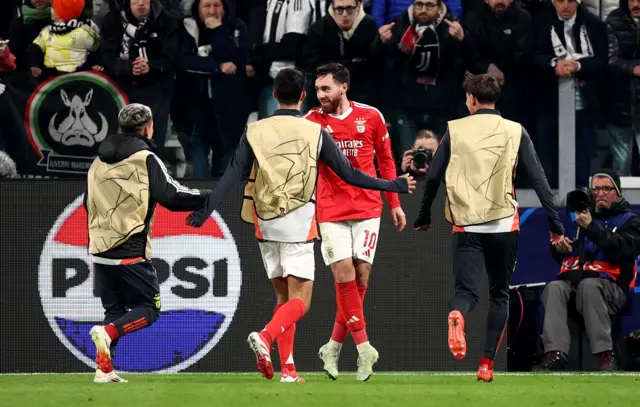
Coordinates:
[349,217]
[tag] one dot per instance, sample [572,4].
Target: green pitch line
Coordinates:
[384,390]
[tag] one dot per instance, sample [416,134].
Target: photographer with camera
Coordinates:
[598,267]
[416,160]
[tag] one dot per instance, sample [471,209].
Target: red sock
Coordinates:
[351,307]
[340,330]
[285,345]
[486,361]
[112,331]
[287,315]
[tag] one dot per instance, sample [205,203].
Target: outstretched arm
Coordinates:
[169,192]
[240,166]
[437,169]
[331,155]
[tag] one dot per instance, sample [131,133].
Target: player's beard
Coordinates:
[330,105]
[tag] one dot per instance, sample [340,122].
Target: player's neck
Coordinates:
[343,107]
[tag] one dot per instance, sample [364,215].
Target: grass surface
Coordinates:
[231,390]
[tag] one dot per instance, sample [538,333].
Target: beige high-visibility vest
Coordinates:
[479,176]
[118,202]
[285,172]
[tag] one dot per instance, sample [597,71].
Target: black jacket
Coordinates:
[624,54]
[21,35]
[453,61]
[162,189]
[617,245]
[592,68]
[160,39]
[325,43]
[506,40]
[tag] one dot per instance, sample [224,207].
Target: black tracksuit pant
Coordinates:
[130,296]
[494,254]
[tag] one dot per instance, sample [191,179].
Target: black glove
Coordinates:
[197,218]
[424,219]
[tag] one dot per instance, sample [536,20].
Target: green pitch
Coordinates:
[230,390]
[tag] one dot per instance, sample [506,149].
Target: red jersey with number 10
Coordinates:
[361,134]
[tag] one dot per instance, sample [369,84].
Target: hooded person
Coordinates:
[214,46]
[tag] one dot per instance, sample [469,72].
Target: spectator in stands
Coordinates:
[344,35]
[503,34]
[7,59]
[385,11]
[7,166]
[66,45]
[36,15]
[278,30]
[213,54]
[102,7]
[623,83]
[571,52]
[611,247]
[427,45]
[601,8]
[429,142]
[139,47]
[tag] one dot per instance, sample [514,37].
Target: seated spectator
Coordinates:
[139,47]
[67,44]
[7,59]
[344,36]
[35,16]
[425,140]
[602,289]
[212,80]
[7,166]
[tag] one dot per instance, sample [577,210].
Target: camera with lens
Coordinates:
[579,200]
[422,157]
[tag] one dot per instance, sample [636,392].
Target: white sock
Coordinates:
[333,345]
[363,346]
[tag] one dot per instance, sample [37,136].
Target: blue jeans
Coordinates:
[621,143]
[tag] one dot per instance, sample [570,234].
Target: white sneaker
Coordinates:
[102,340]
[368,357]
[330,357]
[262,351]
[108,377]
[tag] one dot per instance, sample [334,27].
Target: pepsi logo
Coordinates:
[200,282]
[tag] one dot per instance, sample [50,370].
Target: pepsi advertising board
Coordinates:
[214,291]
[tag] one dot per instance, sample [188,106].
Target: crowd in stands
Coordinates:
[205,65]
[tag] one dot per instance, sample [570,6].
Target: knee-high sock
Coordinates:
[340,330]
[350,305]
[285,344]
[287,315]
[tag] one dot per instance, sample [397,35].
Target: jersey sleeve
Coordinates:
[384,155]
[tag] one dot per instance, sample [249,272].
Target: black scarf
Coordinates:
[61,27]
[424,62]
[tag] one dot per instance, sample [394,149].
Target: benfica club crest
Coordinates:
[360,125]
[68,116]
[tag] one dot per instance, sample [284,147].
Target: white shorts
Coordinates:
[288,259]
[349,239]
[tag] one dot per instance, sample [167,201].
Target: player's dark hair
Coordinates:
[288,86]
[339,72]
[485,88]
